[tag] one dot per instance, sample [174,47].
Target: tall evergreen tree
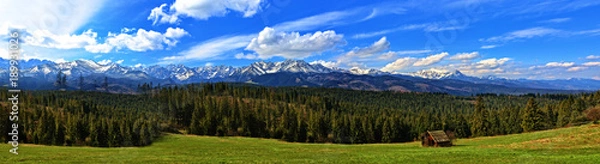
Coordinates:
[479,122]
[532,117]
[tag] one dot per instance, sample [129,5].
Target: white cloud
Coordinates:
[465,56]
[575,69]
[271,43]
[97,56]
[211,48]
[175,33]
[398,64]
[246,56]
[141,41]
[556,20]
[119,61]
[593,32]
[138,65]
[560,64]
[405,62]
[427,61]
[491,63]
[523,34]
[361,53]
[592,57]
[45,38]
[426,27]
[337,18]
[592,64]
[489,46]
[208,64]
[28,54]
[387,56]
[58,17]
[412,52]
[104,62]
[203,9]
[127,30]
[158,15]
[328,64]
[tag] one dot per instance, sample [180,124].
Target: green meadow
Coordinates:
[565,145]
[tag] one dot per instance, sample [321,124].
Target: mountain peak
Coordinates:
[365,71]
[434,73]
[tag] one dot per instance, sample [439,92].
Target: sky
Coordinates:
[505,38]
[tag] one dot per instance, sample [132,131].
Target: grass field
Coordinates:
[565,145]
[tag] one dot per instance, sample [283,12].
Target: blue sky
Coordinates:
[505,38]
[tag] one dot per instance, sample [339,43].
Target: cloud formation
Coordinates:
[61,17]
[141,41]
[342,17]
[292,45]
[592,64]
[465,56]
[489,46]
[523,34]
[556,20]
[560,64]
[366,52]
[491,63]
[328,64]
[405,62]
[575,69]
[47,39]
[429,60]
[592,57]
[202,9]
[426,27]
[210,49]
[398,64]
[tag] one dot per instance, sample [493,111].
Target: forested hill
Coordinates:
[289,113]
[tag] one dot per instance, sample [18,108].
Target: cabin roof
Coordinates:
[439,136]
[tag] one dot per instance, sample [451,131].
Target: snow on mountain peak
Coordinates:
[434,73]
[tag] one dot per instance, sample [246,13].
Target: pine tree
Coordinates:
[479,122]
[386,132]
[532,117]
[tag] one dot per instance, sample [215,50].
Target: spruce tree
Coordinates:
[479,121]
[532,118]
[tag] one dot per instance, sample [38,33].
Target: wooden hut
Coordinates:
[437,138]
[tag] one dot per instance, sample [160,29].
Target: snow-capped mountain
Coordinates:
[438,74]
[179,72]
[44,73]
[367,71]
[294,66]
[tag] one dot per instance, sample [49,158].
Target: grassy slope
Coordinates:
[566,145]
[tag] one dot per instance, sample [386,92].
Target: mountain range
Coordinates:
[41,75]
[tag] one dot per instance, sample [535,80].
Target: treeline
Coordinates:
[292,114]
[84,119]
[347,116]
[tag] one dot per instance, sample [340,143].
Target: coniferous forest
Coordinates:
[294,114]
